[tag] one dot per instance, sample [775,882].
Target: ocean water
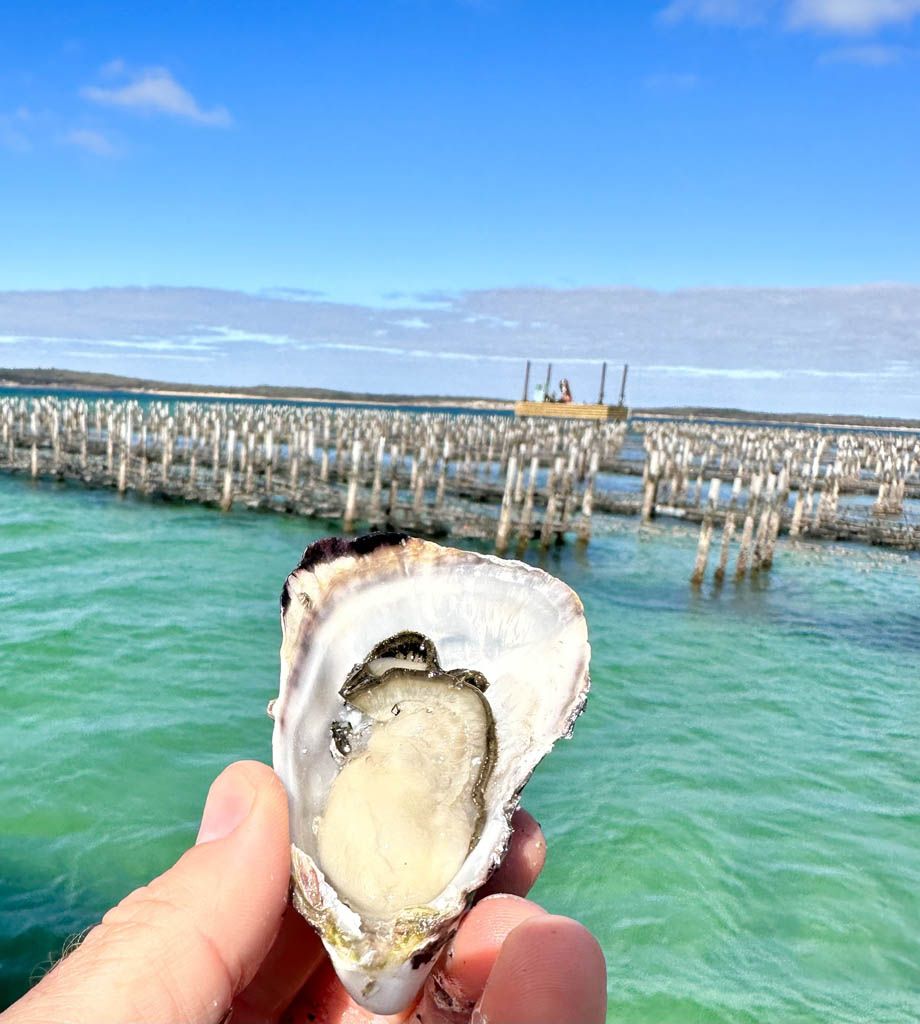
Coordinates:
[737,817]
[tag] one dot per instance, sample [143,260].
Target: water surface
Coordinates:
[736,818]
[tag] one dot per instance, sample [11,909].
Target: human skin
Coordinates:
[214,941]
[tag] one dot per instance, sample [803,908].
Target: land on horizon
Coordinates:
[52,379]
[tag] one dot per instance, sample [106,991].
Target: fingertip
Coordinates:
[550,970]
[524,860]
[461,974]
[269,787]
[530,842]
[244,792]
[260,776]
[565,933]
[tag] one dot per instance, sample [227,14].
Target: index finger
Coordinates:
[523,862]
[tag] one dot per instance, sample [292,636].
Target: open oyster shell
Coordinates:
[420,687]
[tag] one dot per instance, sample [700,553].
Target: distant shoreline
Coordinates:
[73,380]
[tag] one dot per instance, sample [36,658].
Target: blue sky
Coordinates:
[363,148]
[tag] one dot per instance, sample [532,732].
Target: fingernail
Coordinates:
[229,802]
[477,1016]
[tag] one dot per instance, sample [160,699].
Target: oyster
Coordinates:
[420,687]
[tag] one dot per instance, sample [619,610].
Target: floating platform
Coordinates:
[572,411]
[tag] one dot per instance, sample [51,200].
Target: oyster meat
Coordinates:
[420,687]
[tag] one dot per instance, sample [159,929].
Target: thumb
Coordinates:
[179,949]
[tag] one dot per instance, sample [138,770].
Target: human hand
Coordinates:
[215,941]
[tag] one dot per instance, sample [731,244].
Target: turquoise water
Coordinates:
[737,817]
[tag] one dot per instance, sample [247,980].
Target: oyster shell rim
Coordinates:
[380,979]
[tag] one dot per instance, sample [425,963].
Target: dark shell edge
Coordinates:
[330,548]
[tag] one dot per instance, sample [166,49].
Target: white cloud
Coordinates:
[717,12]
[92,142]
[154,91]
[214,335]
[873,55]
[412,322]
[113,69]
[855,16]
[84,353]
[841,16]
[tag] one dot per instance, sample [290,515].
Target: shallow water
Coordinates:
[736,817]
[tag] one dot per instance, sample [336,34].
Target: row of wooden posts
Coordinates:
[438,474]
[767,466]
[486,476]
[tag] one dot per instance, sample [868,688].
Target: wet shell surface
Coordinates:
[420,687]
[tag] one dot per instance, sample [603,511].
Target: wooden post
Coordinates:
[525,527]
[125,454]
[650,491]
[166,445]
[775,518]
[378,476]
[706,528]
[728,530]
[226,499]
[250,458]
[143,472]
[587,500]
[763,525]
[796,525]
[33,430]
[294,470]
[505,514]
[84,442]
[526,381]
[552,500]
[418,497]
[55,439]
[442,474]
[269,457]
[109,443]
[519,481]
[702,551]
[340,442]
[546,529]
[747,531]
[351,501]
[568,490]
[394,478]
